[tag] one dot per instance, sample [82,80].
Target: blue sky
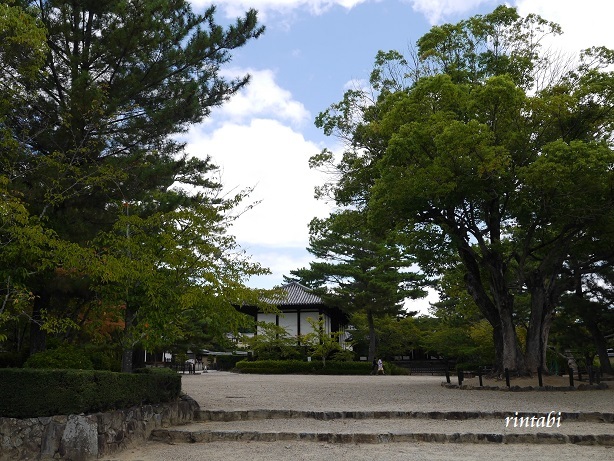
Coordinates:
[310,54]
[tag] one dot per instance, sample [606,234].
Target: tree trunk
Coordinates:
[542,308]
[128,339]
[600,344]
[498,312]
[512,358]
[372,335]
[38,336]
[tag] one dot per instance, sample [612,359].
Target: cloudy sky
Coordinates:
[311,52]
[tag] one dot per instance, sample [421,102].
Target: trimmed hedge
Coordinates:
[228,362]
[333,367]
[29,393]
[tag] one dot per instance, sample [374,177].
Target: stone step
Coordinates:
[380,429]
[246,415]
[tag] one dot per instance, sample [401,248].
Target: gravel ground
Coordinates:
[232,391]
[229,391]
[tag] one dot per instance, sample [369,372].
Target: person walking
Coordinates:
[380,367]
[374,366]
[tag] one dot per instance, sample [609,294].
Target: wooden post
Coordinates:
[571,377]
[539,377]
[480,376]
[590,374]
[507,377]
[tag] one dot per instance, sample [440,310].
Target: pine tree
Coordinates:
[121,79]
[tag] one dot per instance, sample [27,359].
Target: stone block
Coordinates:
[80,439]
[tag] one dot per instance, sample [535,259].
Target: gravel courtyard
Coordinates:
[230,391]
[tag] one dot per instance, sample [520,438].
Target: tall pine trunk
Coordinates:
[372,335]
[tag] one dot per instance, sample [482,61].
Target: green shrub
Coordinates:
[104,357]
[343,356]
[392,369]
[301,367]
[64,357]
[228,362]
[29,393]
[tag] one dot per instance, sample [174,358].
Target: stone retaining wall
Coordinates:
[86,437]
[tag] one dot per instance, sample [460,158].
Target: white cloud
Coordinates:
[436,11]
[262,97]
[273,158]
[235,8]
[255,141]
[584,24]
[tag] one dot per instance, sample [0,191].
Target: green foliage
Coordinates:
[321,343]
[104,357]
[23,44]
[30,393]
[463,342]
[395,370]
[272,342]
[345,355]
[490,163]
[396,335]
[64,357]
[356,269]
[482,46]
[172,267]
[303,367]
[89,148]
[28,250]
[228,362]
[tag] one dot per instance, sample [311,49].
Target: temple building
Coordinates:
[296,304]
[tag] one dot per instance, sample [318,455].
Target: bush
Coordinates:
[29,393]
[64,357]
[391,369]
[228,362]
[104,357]
[300,367]
[343,356]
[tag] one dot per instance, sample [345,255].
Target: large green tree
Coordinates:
[161,271]
[358,270]
[121,79]
[509,174]
[26,247]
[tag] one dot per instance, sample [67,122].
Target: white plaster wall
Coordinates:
[268,318]
[305,326]
[288,320]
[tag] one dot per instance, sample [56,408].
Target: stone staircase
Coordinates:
[372,427]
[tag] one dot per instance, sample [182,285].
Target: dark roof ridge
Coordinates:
[298,294]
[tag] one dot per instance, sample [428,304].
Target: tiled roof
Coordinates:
[297,294]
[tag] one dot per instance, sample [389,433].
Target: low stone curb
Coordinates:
[580,387]
[178,436]
[245,415]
